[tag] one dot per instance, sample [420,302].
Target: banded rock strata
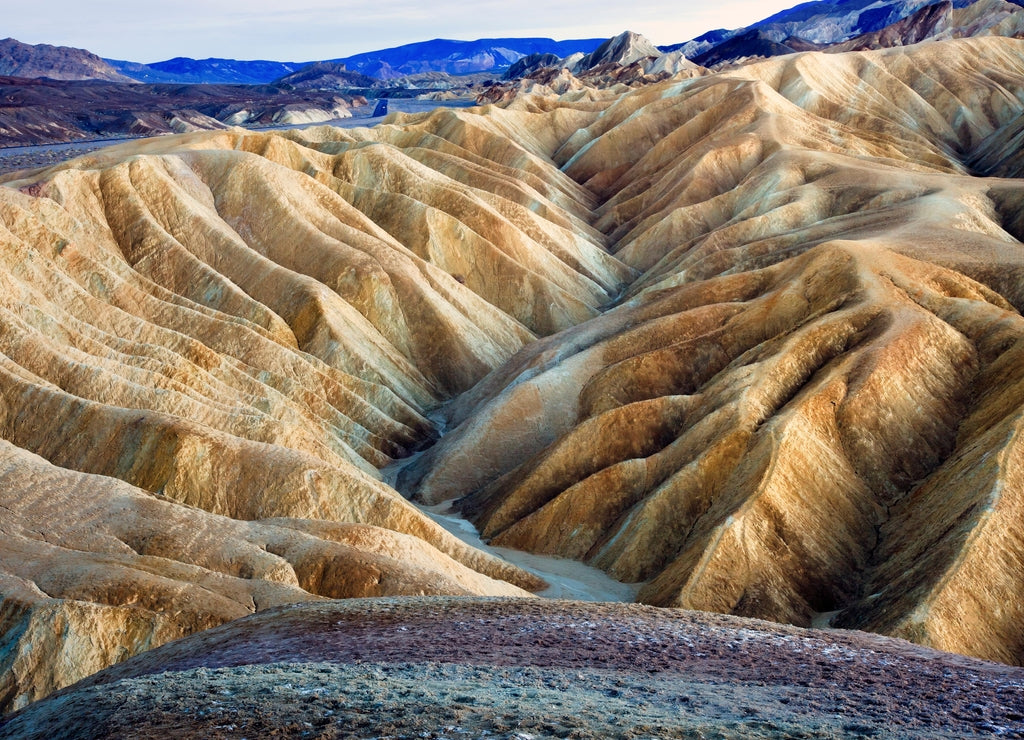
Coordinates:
[808,402]
[225,323]
[750,339]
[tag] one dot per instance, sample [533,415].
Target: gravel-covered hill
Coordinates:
[469,668]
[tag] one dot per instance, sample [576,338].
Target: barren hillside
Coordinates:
[446,668]
[751,340]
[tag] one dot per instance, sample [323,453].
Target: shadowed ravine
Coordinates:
[750,340]
[565,579]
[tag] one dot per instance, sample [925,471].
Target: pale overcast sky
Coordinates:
[306,30]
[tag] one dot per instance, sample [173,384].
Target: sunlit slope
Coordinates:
[808,401]
[752,340]
[229,285]
[95,570]
[225,323]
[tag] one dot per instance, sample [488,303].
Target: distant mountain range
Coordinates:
[831,21]
[214,70]
[808,26]
[825,24]
[30,61]
[437,55]
[630,59]
[460,57]
[40,111]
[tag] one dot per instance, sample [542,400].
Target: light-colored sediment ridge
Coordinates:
[805,403]
[217,321]
[749,339]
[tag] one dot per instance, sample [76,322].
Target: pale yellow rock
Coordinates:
[214,319]
[780,420]
[750,340]
[95,570]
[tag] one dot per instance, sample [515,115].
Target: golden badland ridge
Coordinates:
[752,339]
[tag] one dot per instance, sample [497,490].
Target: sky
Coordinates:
[308,30]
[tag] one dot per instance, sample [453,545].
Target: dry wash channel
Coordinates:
[750,339]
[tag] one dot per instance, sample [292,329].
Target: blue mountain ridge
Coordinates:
[804,26]
[844,19]
[436,55]
[873,15]
[447,55]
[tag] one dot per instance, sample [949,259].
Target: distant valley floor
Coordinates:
[15,158]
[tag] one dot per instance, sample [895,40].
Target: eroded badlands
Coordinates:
[751,339]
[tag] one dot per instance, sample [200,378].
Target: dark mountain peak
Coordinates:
[532,63]
[325,76]
[753,42]
[926,23]
[18,59]
[703,42]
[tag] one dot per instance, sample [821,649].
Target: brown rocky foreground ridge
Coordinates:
[751,340]
[469,667]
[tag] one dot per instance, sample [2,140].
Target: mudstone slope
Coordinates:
[750,339]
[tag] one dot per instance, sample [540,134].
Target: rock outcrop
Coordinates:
[326,76]
[530,64]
